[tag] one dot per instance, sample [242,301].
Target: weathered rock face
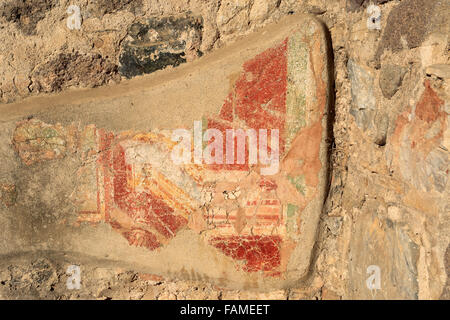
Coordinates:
[386,245]
[391,77]
[75,168]
[69,70]
[408,25]
[363,98]
[394,180]
[353,5]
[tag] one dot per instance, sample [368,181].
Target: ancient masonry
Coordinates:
[139,139]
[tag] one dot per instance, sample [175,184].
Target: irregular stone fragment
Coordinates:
[73,70]
[233,15]
[391,78]
[407,26]
[160,42]
[439,70]
[261,9]
[386,245]
[382,126]
[363,99]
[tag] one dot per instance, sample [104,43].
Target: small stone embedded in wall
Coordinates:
[261,9]
[160,42]
[233,15]
[391,78]
[26,13]
[363,98]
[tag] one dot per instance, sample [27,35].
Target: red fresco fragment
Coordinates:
[257,101]
[428,109]
[226,113]
[261,253]
[143,208]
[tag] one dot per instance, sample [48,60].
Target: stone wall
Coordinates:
[386,200]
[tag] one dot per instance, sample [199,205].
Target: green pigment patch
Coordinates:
[297,83]
[291,223]
[298,182]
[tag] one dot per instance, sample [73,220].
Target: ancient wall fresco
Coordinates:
[129,180]
[417,140]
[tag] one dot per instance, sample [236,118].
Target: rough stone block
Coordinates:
[384,244]
[156,43]
[408,25]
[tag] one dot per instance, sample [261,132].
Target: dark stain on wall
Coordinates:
[407,24]
[160,42]
[26,13]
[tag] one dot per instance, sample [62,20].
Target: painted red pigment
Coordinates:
[429,107]
[105,160]
[257,101]
[144,208]
[260,253]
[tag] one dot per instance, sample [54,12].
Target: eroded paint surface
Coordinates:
[416,151]
[129,180]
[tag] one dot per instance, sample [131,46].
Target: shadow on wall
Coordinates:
[446,293]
